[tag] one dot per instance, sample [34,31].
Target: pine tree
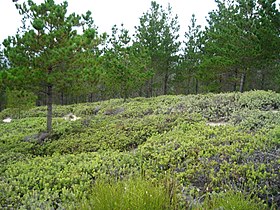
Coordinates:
[241,38]
[47,53]
[189,68]
[3,66]
[158,32]
[125,63]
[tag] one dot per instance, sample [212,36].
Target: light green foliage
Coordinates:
[167,137]
[231,201]
[262,100]
[204,157]
[12,145]
[135,193]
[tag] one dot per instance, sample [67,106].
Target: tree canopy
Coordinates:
[158,32]
[241,42]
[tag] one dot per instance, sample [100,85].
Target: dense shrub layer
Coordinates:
[205,144]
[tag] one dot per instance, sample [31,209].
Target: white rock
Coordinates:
[216,123]
[74,118]
[7,120]
[71,117]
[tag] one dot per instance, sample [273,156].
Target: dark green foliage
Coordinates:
[20,100]
[158,33]
[238,50]
[125,64]
[240,46]
[187,78]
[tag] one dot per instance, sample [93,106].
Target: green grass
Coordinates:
[135,193]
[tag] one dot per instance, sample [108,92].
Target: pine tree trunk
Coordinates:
[61,99]
[150,84]
[196,86]
[49,104]
[235,80]
[188,88]
[1,106]
[49,108]
[242,82]
[165,83]
[91,97]
[221,84]
[263,81]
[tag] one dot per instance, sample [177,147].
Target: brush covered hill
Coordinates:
[197,147]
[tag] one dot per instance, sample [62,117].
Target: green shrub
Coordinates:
[154,137]
[254,119]
[262,100]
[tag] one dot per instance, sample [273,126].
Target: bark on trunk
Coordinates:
[221,84]
[91,97]
[196,86]
[263,82]
[242,82]
[150,84]
[62,99]
[188,86]
[235,81]
[49,103]
[165,84]
[49,108]
[1,106]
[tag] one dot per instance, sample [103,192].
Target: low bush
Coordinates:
[232,200]
[206,143]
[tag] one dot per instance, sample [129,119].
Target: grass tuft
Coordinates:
[135,193]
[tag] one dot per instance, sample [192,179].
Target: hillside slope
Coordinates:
[204,143]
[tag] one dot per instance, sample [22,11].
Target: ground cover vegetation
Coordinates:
[166,152]
[82,135]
